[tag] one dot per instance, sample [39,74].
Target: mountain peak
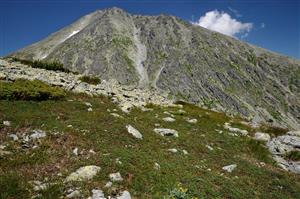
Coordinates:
[192,63]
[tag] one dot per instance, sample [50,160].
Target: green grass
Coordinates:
[108,137]
[12,186]
[293,155]
[53,65]
[90,80]
[29,90]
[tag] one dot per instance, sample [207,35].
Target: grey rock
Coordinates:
[74,194]
[37,134]
[166,132]
[6,123]
[124,195]
[98,194]
[169,119]
[229,168]
[134,132]
[13,136]
[192,121]
[115,177]
[262,136]
[83,173]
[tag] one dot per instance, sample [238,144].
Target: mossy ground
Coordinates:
[199,172]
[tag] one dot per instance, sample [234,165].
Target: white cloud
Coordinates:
[262,25]
[223,23]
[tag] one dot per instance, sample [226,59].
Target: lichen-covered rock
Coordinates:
[134,132]
[83,173]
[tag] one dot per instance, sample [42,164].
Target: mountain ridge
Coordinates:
[191,62]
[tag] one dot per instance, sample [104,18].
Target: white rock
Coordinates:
[262,136]
[37,134]
[83,173]
[209,147]
[192,121]
[116,115]
[156,166]
[229,168]
[88,104]
[118,161]
[13,136]
[169,119]
[173,150]
[74,194]
[166,132]
[235,130]
[134,132]
[124,195]
[97,194]
[6,123]
[185,152]
[70,126]
[75,151]
[90,109]
[108,184]
[115,177]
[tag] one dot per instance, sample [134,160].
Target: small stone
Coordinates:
[6,123]
[262,136]
[185,152]
[209,147]
[166,132]
[13,136]
[116,115]
[124,195]
[156,125]
[74,194]
[108,184]
[37,134]
[88,104]
[83,173]
[70,126]
[229,168]
[92,151]
[90,109]
[115,177]
[97,194]
[169,119]
[173,150]
[75,151]
[192,121]
[156,166]
[118,161]
[134,132]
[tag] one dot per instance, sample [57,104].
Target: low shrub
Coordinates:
[12,186]
[90,79]
[55,65]
[29,90]
[293,155]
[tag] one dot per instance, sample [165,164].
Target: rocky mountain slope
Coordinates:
[192,63]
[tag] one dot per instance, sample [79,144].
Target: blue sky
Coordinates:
[271,24]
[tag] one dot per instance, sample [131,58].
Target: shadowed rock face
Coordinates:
[191,62]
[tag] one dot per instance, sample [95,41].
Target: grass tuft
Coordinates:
[90,80]
[29,90]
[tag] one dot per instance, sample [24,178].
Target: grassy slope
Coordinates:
[108,137]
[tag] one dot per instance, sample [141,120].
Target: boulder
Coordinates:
[134,132]
[83,173]
[166,132]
